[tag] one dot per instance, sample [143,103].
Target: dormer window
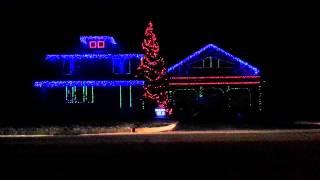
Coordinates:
[92,44]
[106,43]
[100,44]
[96,44]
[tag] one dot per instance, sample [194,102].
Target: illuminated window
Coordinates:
[100,44]
[207,62]
[93,44]
[75,95]
[212,63]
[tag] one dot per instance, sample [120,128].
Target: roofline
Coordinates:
[92,83]
[180,63]
[54,57]
[83,39]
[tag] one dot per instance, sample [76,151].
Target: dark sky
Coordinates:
[277,38]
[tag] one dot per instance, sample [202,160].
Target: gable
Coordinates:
[217,57]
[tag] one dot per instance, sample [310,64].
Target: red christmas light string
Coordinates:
[216,77]
[214,83]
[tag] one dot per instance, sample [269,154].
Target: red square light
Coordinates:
[100,44]
[93,44]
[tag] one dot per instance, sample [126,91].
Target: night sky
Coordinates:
[276,38]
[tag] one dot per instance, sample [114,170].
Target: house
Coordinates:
[100,81]
[211,81]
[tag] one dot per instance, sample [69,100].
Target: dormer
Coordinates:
[105,44]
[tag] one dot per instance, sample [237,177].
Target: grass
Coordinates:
[76,130]
[79,129]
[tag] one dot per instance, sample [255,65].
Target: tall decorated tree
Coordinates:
[152,69]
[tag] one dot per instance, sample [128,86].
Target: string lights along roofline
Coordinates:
[109,39]
[54,57]
[213,77]
[214,83]
[216,48]
[93,83]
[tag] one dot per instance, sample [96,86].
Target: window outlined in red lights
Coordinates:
[100,44]
[92,44]
[96,44]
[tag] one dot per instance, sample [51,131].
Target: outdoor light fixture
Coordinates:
[160,112]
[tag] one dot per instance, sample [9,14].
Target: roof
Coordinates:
[56,57]
[85,39]
[213,49]
[93,83]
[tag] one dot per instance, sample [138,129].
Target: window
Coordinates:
[100,44]
[121,66]
[207,62]
[93,44]
[75,95]
[96,44]
[66,67]
[225,64]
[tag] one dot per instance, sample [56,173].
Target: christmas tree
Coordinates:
[152,69]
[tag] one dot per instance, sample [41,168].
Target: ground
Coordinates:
[235,154]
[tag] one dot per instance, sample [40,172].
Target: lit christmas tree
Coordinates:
[152,68]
